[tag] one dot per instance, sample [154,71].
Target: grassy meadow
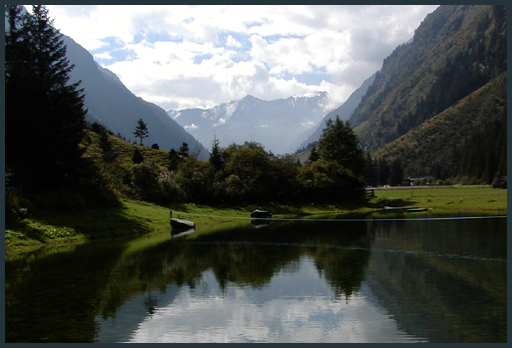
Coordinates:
[134,218]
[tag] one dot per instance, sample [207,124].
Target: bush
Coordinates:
[328,180]
[17,207]
[145,180]
[137,157]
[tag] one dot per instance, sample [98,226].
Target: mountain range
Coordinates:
[275,123]
[433,99]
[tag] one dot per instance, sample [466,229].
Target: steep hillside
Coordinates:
[446,144]
[455,51]
[274,123]
[111,104]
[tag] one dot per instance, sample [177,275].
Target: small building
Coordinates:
[261,214]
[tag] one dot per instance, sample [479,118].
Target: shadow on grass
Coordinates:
[92,223]
[381,203]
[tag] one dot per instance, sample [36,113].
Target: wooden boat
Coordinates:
[398,208]
[414,210]
[179,224]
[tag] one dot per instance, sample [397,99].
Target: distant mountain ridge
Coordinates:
[275,123]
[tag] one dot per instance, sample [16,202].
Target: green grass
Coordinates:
[453,200]
[133,218]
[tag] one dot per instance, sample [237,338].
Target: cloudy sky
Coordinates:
[200,56]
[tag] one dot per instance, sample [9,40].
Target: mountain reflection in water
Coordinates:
[405,281]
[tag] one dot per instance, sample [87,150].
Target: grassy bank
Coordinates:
[133,218]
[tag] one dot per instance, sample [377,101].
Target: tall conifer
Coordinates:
[44,113]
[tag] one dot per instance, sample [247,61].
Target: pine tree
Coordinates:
[313,155]
[44,113]
[340,144]
[183,151]
[174,159]
[215,156]
[141,131]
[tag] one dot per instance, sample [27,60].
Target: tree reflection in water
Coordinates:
[59,296]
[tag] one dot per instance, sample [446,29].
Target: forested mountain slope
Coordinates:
[466,140]
[455,51]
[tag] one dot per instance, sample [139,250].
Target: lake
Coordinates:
[333,281]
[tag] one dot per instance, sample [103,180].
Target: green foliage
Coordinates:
[215,156]
[484,157]
[340,144]
[313,155]
[174,159]
[184,150]
[329,181]
[194,179]
[145,180]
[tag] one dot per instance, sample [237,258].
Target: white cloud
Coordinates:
[103,56]
[232,42]
[191,127]
[200,56]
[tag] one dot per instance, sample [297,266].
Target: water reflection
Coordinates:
[437,281]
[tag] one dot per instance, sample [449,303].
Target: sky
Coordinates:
[200,56]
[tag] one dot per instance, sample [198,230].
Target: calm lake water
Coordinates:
[401,281]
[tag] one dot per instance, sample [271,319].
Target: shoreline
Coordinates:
[135,218]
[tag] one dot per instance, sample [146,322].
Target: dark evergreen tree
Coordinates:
[44,113]
[313,155]
[109,154]
[141,131]
[174,159]
[396,174]
[183,151]
[215,156]
[382,172]
[371,171]
[340,144]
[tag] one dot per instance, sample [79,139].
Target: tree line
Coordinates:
[247,173]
